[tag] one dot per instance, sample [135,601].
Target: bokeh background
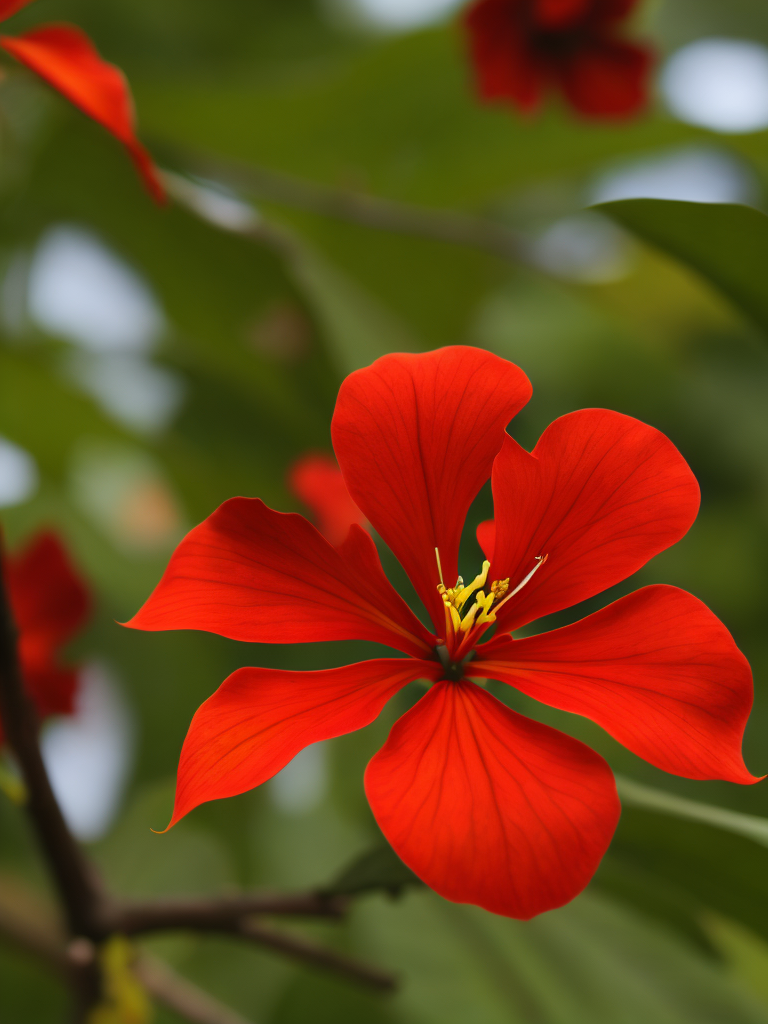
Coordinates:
[155,362]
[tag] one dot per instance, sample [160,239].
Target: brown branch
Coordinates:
[159,979]
[236,916]
[299,948]
[33,938]
[74,877]
[223,913]
[75,964]
[369,211]
[91,916]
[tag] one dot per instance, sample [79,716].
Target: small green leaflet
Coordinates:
[724,242]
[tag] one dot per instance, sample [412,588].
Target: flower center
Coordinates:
[462,627]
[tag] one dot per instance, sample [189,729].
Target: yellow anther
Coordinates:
[486,615]
[540,560]
[479,581]
[485,606]
[449,594]
[469,619]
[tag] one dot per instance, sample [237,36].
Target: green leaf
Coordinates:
[638,795]
[29,380]
[724,242]
[743,951]
[591,962]
[678,871]
[379,868]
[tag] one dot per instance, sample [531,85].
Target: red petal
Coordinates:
[416,436]
[505,63]
[610,12]
[49,601]
[65,57]
[657,670]
[260,718]
[250,573]
[601,494]
[316,480]
[9,7]
[51,689]
[491,808]
[560,14]
[486,538]
[606,78]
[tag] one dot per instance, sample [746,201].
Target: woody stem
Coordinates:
[73,876]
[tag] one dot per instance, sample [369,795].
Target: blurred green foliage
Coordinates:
[261,328]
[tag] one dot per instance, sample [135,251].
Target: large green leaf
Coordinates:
[724,242]
[591,962]
[679,871]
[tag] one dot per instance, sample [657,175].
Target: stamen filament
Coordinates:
[455,618]
[540,560]
[439,567]
[479,581]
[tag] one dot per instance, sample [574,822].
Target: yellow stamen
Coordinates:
[454,615]
[479,581]
[540,560]
[485,606]
[482,604]
[486,615]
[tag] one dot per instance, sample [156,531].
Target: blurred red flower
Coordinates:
[65,57]
[50,604]
[485,805]
[316,480]
[521,48]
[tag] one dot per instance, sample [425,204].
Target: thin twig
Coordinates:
[299,948]
[181,995]
[223,913]
[441,225]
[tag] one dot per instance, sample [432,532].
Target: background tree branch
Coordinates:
[369,211]
[75,878]
[92,915]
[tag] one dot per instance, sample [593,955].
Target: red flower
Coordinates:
[49,604]
[487,806]
[520,48]
[65,58]
[316,480]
